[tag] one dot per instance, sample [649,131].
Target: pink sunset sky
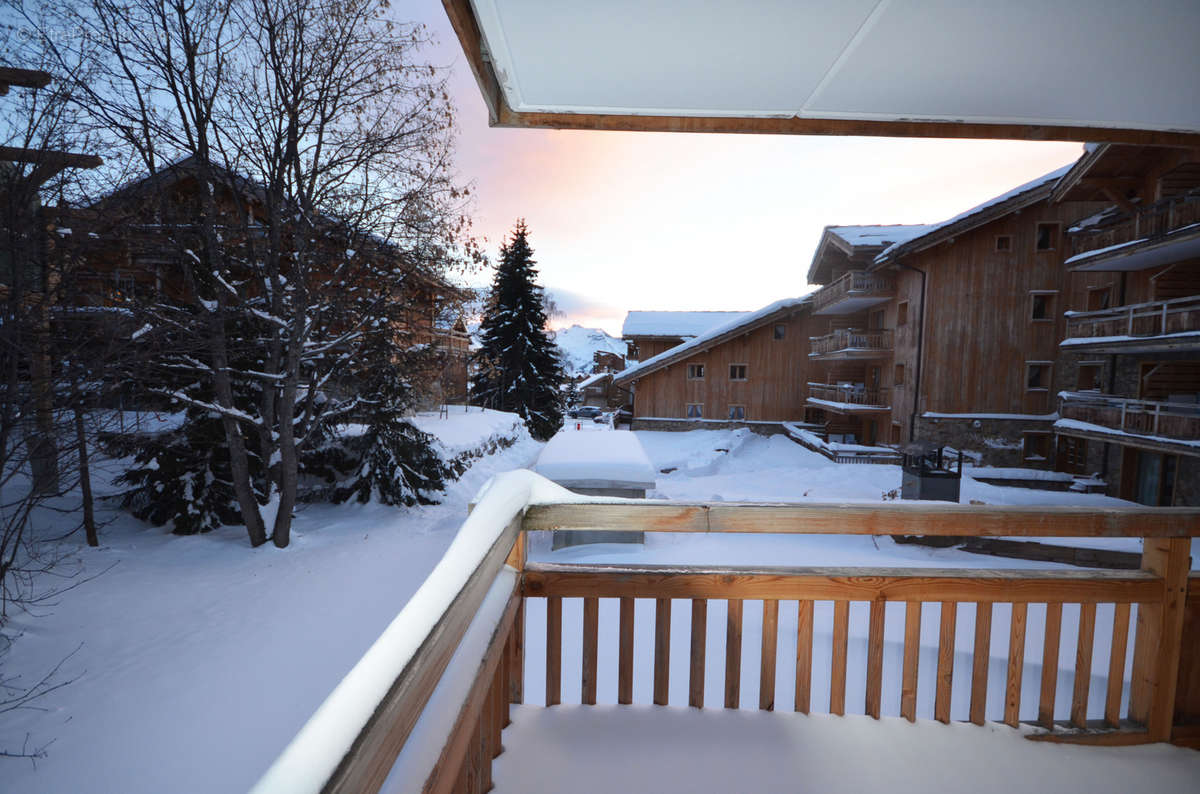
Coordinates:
[671,221]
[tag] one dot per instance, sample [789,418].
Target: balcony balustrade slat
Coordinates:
[662,650]
[1116,665]
[912,659]
[553,650]
[837,675]
[1016,664]
[874,694]
[804,643]
[945,668]
[1083,664]
[979,672]
[766,671]
[699,641]
[591,622]
[733,654]
[625,653]
[1050,646]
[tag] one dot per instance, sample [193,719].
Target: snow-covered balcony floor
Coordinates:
[664,749]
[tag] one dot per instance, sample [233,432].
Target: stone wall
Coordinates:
[761,428]
[998,442]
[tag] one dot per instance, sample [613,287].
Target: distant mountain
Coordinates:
[579,343]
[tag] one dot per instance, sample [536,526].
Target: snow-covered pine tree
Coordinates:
[517,366]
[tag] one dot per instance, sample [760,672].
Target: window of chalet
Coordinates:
[1041,306]
[695,410]
[902,313]
[780,330]
[896,432]
[1037,375]
[1099,299]
[898,378]
[1072,455]
[695,372]
[737,372]
[737,412]
[1047,237]
[1089,378]
[1004,242]
[1037,446]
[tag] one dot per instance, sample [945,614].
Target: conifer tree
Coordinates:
[517,366]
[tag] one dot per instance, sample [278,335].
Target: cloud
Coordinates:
[578,309]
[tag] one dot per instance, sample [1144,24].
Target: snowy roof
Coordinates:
[878,235]
[681,324]
[599,376]
[744,321]
[596,460]
[1020,196]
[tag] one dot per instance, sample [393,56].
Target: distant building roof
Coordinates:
[877,235]
[681,324]
[859,243]
[742,322]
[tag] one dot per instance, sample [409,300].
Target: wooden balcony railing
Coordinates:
[851,341]
[1141,320]
[1173,421]
[854,394]
[855,284]
[1148,223]
[453,659]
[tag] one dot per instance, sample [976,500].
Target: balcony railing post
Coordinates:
[1159,643]
[1157,413]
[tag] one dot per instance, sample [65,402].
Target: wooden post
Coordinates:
[699,641]
[553,650]
[766,670]
[979,662]
[1083,664]
[1016,664]
[1158,646]
[733,654]
[804,637]
[945,667]
[662,650]
[591,613]
[912,659]
[874,691]
[1116,665]
[1050,665]
[625,654]
[841,634]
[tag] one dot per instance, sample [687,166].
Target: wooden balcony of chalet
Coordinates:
[426,707]
[853,292]
[851,343]
[849,397]
[1155,327]
[1157,234]
[1168,426]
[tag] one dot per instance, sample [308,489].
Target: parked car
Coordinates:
[587,412]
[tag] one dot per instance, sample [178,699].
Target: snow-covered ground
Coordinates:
[199,658]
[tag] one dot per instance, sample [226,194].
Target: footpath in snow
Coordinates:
[199,658]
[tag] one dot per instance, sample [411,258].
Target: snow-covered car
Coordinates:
[587,412]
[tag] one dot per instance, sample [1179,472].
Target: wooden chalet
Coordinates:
[648,333]
[132,245]
[599,391]
[427,706]
[1129,403]
[746,371]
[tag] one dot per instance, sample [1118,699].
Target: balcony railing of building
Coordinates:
[1157,318]
[855,284]
[1179,421]
[1146,223]
[850,343]
[434,690]
[851,394]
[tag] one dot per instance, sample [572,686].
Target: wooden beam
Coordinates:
[849,584]
[49,159]
[23,78]
[466,27]
[840,127]
[866,519]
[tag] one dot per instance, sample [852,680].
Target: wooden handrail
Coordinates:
[856,281]
[1153,318]
[818,518]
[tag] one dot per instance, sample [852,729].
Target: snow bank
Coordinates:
[1008,473]
[466,428]
[602,749]
[596,460]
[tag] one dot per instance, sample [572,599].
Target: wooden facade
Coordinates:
[753,374]
[1131,349]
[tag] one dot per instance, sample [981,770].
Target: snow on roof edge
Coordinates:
[674,323]
[1019,190]
[653,363]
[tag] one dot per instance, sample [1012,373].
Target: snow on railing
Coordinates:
[1145,224]
[1136,320]
[852,395]
[853,284]
[400,693]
